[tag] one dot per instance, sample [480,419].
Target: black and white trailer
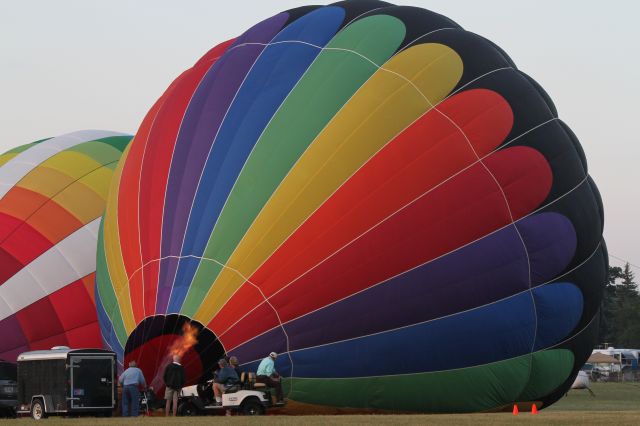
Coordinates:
[64,381]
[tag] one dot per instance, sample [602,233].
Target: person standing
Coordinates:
[173,381]
[131,381]
[268,375]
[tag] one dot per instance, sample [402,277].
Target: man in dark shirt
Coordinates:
[174,381]
[235,364]
[225,377]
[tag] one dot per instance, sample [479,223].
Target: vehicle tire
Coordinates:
[37,410]
[187,409]
[252,407]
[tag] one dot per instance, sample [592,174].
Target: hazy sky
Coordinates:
[67,65]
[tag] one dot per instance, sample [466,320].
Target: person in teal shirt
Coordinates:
[268,375]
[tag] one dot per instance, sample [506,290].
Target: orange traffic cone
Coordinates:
[515,409]
[534,409]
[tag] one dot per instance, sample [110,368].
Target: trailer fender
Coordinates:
[46,400]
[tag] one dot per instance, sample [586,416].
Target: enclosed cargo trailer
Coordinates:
[66,381]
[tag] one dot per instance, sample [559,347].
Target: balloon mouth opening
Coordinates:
[155,341]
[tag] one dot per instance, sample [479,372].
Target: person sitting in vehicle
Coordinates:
[225,378]
[235,364]
[268,375]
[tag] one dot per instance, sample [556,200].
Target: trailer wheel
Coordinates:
[37,410]
[252,407]
[187,409]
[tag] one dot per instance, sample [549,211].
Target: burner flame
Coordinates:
[180,346]
[186,341]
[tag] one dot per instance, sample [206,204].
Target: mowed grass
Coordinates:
[608,397]
[614,403]
[542,418]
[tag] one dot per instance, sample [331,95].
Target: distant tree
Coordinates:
[606,333]
[615,273]
[625,324]
[628,285]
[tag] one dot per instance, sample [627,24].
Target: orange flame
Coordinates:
[185,342]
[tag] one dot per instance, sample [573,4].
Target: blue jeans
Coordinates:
[130,401]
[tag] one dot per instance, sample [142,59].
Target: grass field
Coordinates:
[614,403]
[608,397]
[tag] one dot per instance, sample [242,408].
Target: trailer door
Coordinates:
[92,380]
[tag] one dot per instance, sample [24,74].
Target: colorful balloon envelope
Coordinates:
[374,193]
[52,197]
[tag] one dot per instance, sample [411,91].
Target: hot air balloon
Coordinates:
[52,197]
[374,193]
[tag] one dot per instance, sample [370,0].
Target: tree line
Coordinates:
[620,309]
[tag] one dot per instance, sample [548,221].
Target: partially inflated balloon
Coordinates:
[374,193]
[52,197]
